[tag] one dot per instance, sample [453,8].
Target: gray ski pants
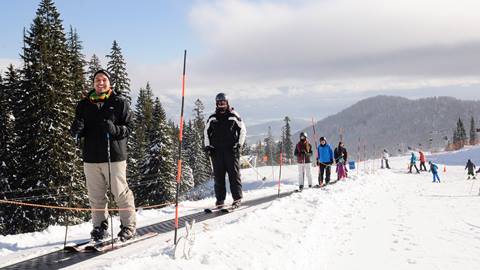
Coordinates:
[97,186]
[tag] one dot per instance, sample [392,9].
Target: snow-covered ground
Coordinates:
[376,219]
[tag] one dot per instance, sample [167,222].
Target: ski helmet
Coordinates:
[221,97]
[303,134]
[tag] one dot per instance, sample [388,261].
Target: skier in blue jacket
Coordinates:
[413,163]
[325,161]
[434,170]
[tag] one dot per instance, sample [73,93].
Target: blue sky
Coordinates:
[149,31]
[303,58]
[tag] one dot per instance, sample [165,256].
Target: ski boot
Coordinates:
[219,204]
[236,204]
[126,233]
[100,232]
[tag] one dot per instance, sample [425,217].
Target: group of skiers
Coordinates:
[104,121]
[470,167]
[422,159]
[326,158]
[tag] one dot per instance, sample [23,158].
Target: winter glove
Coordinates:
[236,147]
[77,128]
[109,127]
[209,150]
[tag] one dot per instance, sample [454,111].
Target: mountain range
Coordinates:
[396,124]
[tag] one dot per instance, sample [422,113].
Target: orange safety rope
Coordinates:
[80,208]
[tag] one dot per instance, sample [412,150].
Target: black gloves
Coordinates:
[209,150]
[77,127]
[109,127]
[236,147]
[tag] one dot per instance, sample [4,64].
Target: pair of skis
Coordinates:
[318,186]
[221,210]
[106,245]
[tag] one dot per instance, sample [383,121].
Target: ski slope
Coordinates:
[376,219]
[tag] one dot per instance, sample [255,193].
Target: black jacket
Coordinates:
[470,166]
[115,109]
[338,153]
[224,131]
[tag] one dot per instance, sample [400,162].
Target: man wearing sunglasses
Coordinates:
[224,136]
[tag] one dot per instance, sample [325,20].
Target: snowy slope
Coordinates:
[386,219]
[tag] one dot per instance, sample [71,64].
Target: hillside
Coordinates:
[396,123]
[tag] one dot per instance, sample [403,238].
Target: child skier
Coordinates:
[422,161]
[434,170]
[413,163]
[340,155]
[471,169]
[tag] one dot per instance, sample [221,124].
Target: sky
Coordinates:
[273,58]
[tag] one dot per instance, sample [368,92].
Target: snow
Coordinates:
[385,219]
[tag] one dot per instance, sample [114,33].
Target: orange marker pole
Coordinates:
[180,139]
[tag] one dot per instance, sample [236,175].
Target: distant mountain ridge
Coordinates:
[396,123]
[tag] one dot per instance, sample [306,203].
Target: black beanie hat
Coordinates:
[104,72]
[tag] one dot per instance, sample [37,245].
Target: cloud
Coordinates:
[283,52]
[263,39]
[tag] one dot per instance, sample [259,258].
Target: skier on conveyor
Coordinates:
[224,136]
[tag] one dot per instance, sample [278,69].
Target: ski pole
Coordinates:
[254,169]
[315,138]
[110,181]
[280,173]
[180,138]
[67,219]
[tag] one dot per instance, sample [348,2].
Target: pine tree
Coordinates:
[199,116]
[47,155]
[187,178]
[459,135]
[8,155]
[159,168]
[287,139]
[473,132]
[246,150]
[140,138]
[198,159]
[93,66]
[76,65]
[269,147]
[118,71]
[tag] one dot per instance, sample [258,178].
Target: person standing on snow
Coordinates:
[102,112]
[385,157]
[303,152]
[225,134]
[340,154]
[434,170]
[413,163]
[325,161]
[471,169]
[422,161]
